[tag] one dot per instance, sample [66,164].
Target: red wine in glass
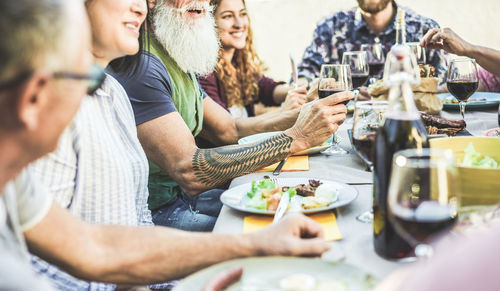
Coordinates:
[323,93]
[423,223]
[359,79]
[461,90]
[498,115]
[462,80]
[365,145]
[375,68]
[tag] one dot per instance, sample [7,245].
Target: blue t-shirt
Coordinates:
[149,90]
[156,88]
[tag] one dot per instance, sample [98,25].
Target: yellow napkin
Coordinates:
[327,220]
[294,163]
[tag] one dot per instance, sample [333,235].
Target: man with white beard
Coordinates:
[171,110]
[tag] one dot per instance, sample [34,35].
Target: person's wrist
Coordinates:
[282,108]
[298,143]
[470,50]
[255,245]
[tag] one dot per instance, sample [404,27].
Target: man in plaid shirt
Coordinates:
[374,21]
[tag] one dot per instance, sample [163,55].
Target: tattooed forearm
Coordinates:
[215,166]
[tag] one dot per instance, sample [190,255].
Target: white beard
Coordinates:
[195,45]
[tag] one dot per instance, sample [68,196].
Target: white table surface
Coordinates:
[356,245]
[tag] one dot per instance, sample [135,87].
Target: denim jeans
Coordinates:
[191,213]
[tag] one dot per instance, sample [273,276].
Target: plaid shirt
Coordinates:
[347,31]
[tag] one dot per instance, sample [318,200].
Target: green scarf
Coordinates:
[188,99]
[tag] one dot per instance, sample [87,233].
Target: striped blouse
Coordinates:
[99,171]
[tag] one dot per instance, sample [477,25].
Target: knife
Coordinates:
[294,72]
[277,171]
[282,207]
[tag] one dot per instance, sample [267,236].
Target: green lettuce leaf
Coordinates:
[257,186]
[475,159]
[291,192]
[257,202]
[266,184]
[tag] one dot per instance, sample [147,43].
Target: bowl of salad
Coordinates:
[478,163]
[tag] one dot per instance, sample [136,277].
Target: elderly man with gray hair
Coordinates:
[41,88]
[38,98]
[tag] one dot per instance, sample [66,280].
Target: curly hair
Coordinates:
[240,78]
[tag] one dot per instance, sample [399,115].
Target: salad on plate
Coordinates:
[266,195]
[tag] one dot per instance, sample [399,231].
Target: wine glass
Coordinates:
[376,59]
[462,80]
[334,79]
[358,62]
[368,117]
[498,115]
[423,196]
[418,51]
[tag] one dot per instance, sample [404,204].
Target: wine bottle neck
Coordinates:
[400,27]
[401,35]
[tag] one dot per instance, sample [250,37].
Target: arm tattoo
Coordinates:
[215,166]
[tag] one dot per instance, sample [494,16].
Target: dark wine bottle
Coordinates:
[402,129]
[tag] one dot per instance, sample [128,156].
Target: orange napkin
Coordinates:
[294,163]
[327,220]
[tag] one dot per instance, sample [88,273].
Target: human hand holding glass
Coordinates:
[423,196]
[334,79]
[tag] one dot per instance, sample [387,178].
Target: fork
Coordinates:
[275,181]
[277,171]
[283,205]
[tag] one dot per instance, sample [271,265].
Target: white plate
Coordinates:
[266,273]
[264,135]
[237,198]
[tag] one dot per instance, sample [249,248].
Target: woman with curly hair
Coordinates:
[238,81]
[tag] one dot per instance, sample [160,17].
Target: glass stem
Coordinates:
[335,140]
[356,94]
[462,109]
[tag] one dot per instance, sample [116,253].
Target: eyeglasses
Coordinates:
[94,79]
